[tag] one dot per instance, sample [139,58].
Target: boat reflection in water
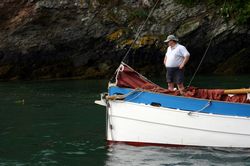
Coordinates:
[123,155]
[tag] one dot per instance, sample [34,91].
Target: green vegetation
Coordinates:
[139,13]
[229,9]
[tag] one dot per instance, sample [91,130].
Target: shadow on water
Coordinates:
[224,82]
[213,81]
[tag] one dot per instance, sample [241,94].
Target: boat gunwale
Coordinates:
[201,99]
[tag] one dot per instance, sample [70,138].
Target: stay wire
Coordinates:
[200,62]
[137,36]
[139,30]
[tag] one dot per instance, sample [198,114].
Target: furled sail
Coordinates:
[127,77]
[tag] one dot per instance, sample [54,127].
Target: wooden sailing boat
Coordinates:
[140,112]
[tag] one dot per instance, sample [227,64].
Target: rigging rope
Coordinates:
[140,29]
[225,1]
[200,62]
[137,36]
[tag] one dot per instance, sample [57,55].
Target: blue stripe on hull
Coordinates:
[184,103]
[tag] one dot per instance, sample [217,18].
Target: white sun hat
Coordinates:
[171,37]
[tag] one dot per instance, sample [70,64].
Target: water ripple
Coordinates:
[122,155]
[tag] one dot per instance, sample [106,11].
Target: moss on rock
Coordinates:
[141,42]
[116,35]
[188,27]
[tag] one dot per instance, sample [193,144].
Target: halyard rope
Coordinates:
[137,36]
[200,62]
[139,30]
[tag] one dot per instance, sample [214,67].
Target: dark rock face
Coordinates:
[43,39]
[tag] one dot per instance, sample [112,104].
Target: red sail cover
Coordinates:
[128,78]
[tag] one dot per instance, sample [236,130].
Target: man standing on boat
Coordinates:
[175,60]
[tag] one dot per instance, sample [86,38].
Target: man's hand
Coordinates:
[186,58]
[181,66]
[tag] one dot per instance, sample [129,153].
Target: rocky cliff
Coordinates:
[44,39]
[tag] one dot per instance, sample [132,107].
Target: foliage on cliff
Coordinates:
[229,9]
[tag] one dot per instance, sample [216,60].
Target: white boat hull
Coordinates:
[145,124]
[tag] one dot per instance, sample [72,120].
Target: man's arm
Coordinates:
[165,60]
[186,58]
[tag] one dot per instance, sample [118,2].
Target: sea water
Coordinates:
[56,123]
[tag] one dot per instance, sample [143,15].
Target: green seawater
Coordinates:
[56,123]
[52,123]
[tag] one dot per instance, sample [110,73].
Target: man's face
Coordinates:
[171,43]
